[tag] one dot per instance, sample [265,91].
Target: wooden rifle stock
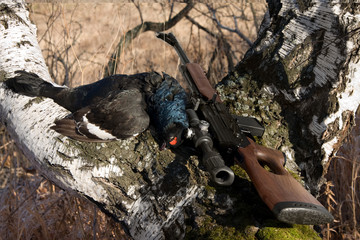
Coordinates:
[285,196]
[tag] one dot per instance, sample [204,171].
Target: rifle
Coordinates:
[285,197]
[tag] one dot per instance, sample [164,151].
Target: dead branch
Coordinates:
[225,45]
[256,22]
[171,9]
[126,39]
[233,30]
[137,5]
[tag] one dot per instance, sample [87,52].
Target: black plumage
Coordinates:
[167,106]
[116,107]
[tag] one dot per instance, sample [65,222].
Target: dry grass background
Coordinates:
[77,41]
[342,189]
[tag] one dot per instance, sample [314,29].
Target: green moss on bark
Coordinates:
[280,231]
[211,230]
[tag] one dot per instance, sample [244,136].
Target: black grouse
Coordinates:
[116,107]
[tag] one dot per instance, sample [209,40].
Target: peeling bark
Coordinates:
[299,79]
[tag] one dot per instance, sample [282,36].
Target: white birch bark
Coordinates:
[117,176]
[29,120]
[330,18]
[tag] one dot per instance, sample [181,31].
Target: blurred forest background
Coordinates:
[78,40]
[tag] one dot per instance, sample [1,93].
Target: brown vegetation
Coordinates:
[342,189]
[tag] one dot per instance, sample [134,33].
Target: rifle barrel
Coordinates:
[171,39]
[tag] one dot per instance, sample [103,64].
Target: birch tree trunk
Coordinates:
[299,79]
[305,62]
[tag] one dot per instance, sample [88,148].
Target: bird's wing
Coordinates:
[67,127]
[120,115]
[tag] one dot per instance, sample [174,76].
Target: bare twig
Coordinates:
[4,145]
[253,11]
[50,22]
[225,45]
[94,222]
[233,30]
[212,59]
[137,5]
[29,196]
[201,27]
[126,39]
[171,8]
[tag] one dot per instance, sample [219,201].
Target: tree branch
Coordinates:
[235,30]
[122,177]
[226,47]
[126,39]
[137,5]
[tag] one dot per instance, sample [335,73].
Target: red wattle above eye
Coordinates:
[173,141]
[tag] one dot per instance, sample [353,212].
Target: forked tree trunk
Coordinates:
[300,80]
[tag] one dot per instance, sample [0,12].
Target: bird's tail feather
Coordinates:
[29,84]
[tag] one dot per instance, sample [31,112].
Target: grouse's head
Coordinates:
[173,135]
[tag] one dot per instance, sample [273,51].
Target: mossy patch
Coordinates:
[3,76]
[211,230]
[240,172]
[32,101]
[274,230]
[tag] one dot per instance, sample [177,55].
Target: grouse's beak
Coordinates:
[163,146]
[172,143]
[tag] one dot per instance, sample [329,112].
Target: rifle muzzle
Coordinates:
[214,164]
